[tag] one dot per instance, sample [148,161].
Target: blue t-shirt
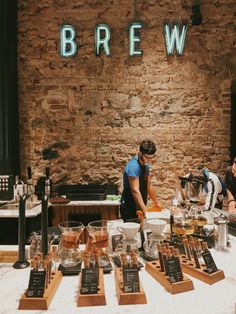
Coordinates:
[133,169]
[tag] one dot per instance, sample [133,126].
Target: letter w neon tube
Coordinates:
[174,39]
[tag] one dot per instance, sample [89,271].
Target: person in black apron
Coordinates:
[205,188]
[230,181]
[137,184]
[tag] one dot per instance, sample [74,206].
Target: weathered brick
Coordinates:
[103,107]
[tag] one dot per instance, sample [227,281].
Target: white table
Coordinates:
[14,213]
[204,299]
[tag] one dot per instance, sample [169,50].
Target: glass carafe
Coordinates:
[68,250]
[150,247]
[99,232]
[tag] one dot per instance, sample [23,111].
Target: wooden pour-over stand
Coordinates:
[193,266]
[8,256]
[154,269]
[29,303]
[201,273]
[93,299]
[91,290]
[43,282]
[125,297]
[128,286]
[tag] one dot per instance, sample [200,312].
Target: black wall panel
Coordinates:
[9,125]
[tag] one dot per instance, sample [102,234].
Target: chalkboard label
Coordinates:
[174,270]
[36,283]
[209,261]
[131,279]
[89,280]
[116,240]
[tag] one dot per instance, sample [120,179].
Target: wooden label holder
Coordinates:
[200,273]
[125,297]
[8,256]
[28,303]
[93,299]
[154,269]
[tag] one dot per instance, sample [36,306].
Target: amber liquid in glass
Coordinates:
[100,239]
[70,240]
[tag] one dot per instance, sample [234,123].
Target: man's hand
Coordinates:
[158,206]
[201,201]
[232,206]
[232,215]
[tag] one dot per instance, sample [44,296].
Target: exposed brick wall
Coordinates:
[86,115]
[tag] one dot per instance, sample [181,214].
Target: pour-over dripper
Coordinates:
[129,230]
[156,225]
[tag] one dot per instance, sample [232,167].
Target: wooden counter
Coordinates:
[107,210]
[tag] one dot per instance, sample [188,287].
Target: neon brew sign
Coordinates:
[174,37]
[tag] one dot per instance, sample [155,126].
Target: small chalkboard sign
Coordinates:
[89,282]
[70,271]
[209,261]
[116,240]
[131,279]
[36,284]
[173,269]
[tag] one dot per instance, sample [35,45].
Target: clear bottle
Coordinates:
[19,188]
[47,189]
[30,187]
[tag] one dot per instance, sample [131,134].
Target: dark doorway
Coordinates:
[9,129]
[233,119]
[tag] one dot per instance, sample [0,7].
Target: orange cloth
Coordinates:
[154,209]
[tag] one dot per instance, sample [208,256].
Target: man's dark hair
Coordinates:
[147,147]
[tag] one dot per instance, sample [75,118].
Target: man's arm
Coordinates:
[134,186]
[152,194]
[231,201]
[211,195]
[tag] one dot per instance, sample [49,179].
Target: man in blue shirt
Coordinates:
[137,183]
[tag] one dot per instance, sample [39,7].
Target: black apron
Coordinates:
[128,206]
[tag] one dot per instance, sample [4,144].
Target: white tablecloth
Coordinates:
[219,298]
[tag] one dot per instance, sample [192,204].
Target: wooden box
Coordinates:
[200,273]
[128,298]
[153,268]
[28,303]
[93,299]
[8,256]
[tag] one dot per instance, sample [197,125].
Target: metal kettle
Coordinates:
[221,232]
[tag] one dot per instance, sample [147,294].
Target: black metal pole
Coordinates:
[44,224]
[22,262]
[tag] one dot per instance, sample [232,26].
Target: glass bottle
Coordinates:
[19,188]
[47,189]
